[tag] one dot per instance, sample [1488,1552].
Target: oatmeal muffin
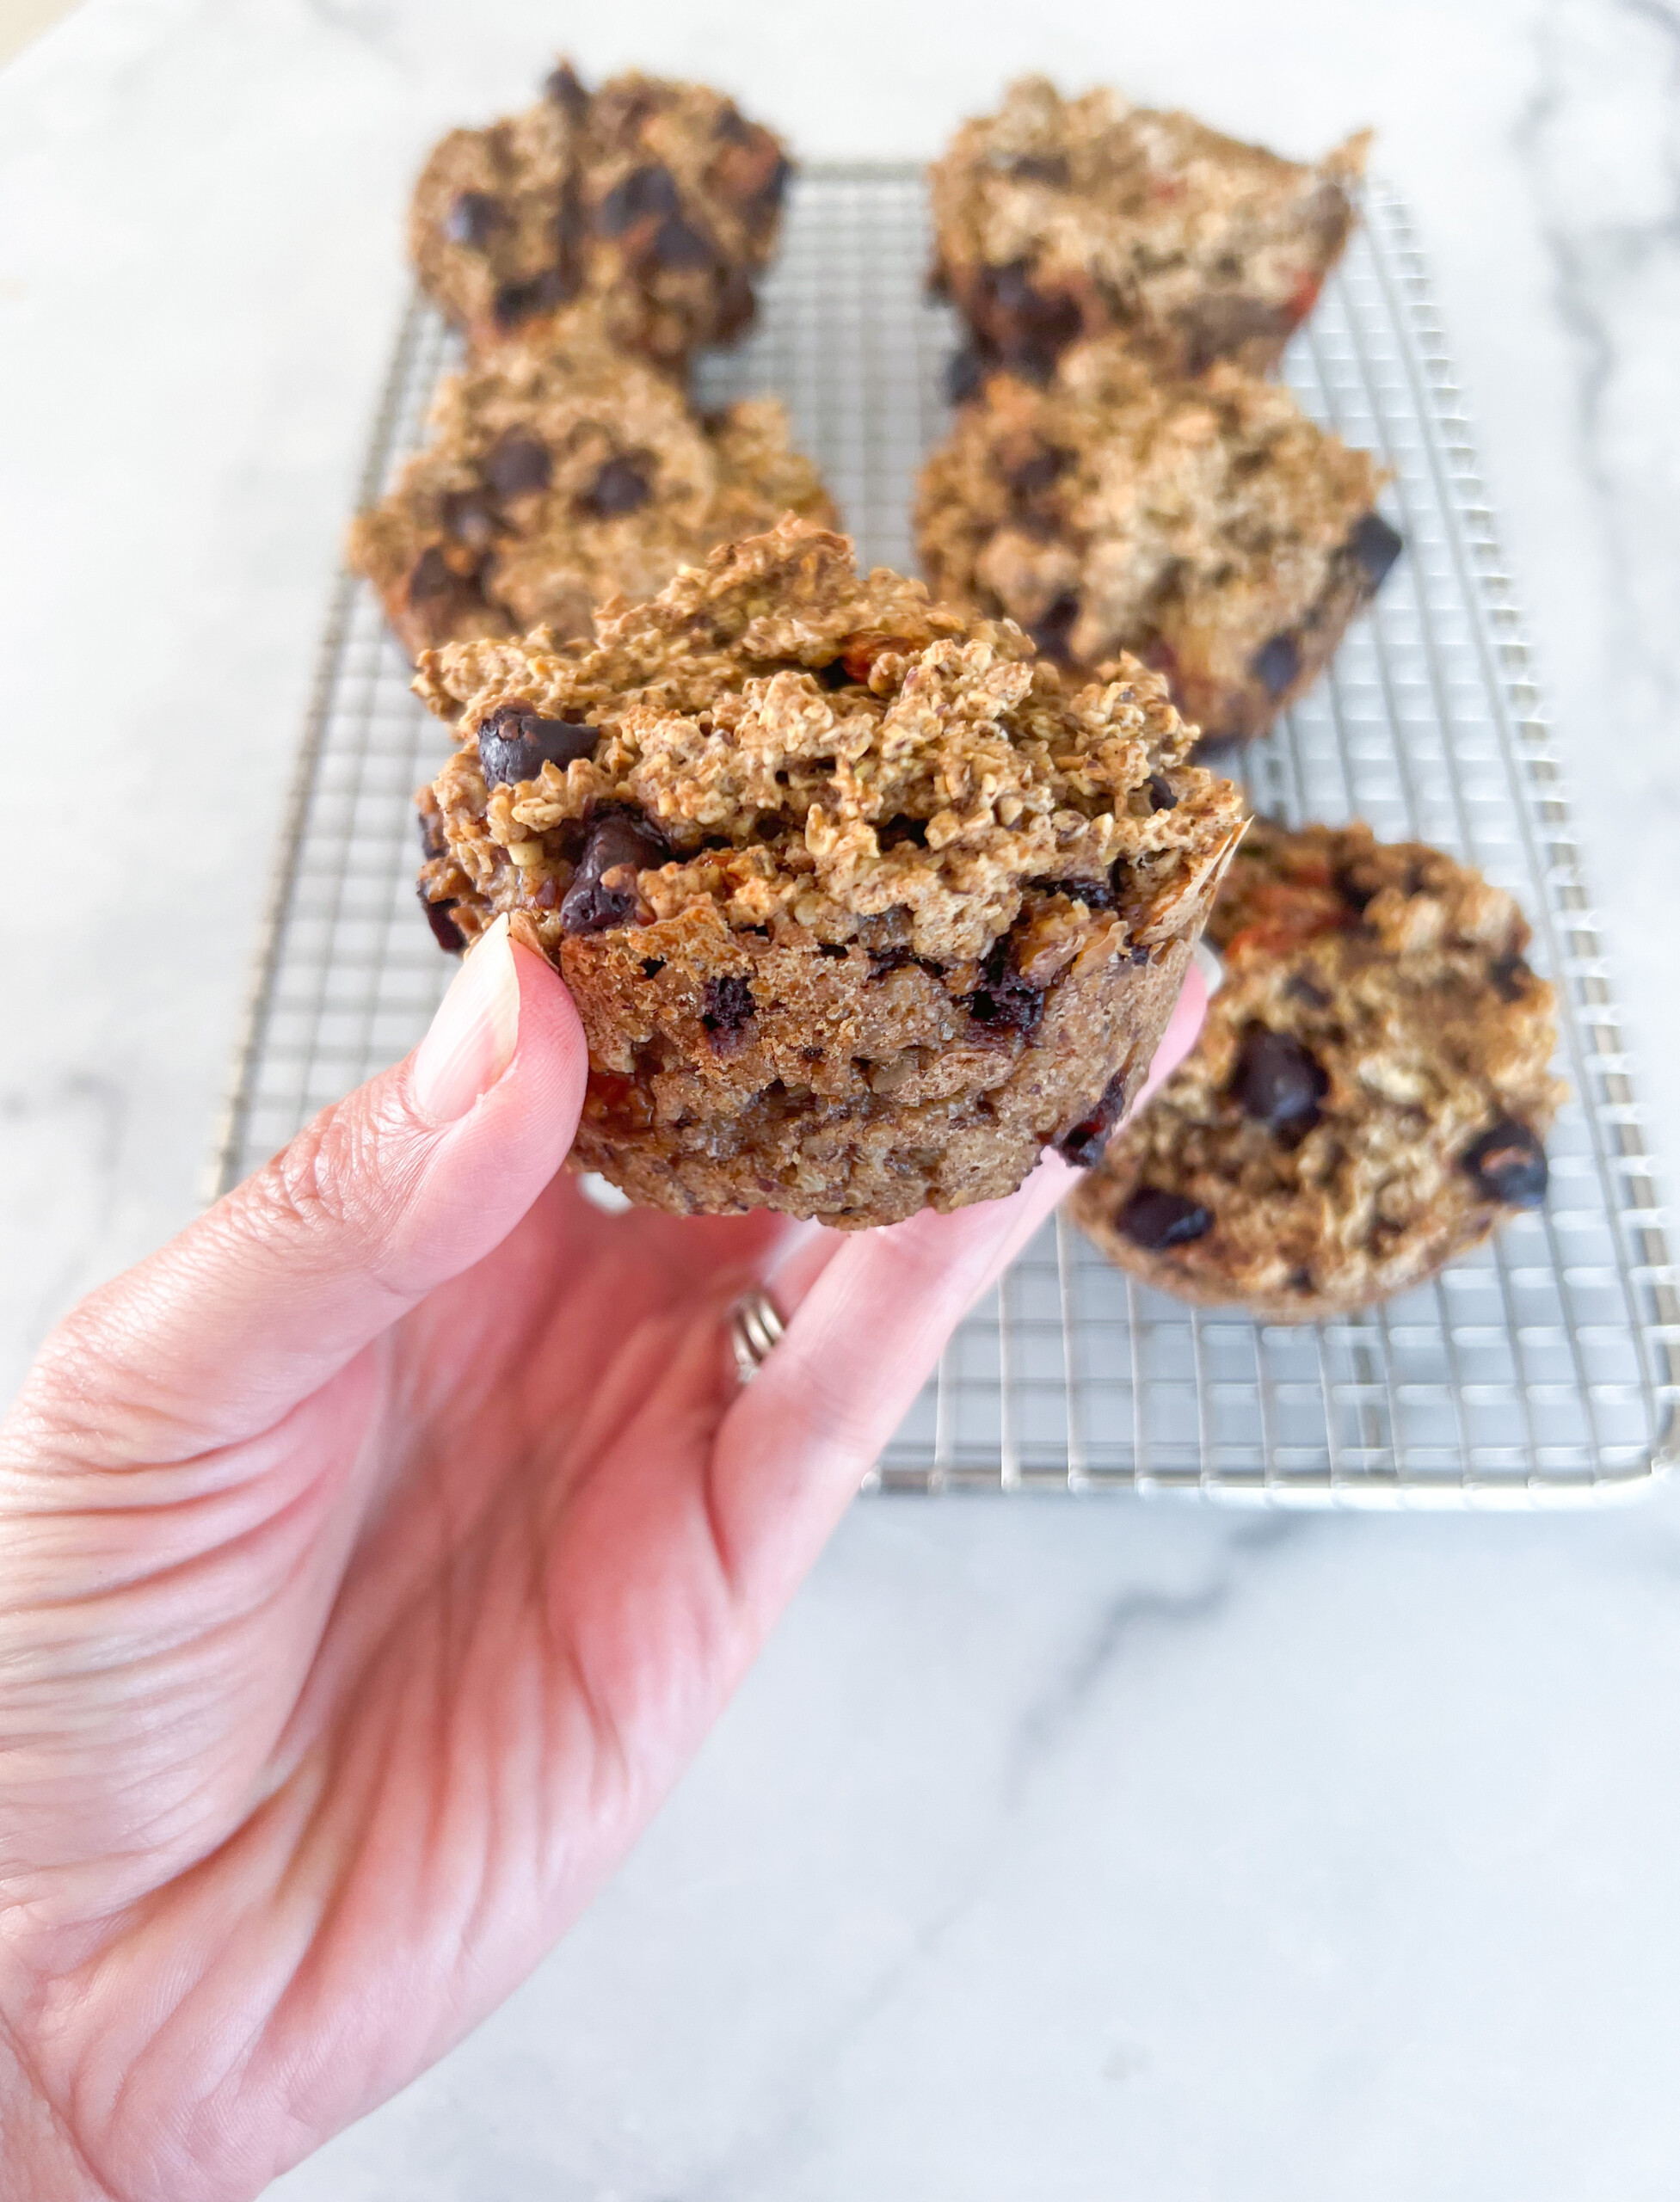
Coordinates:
[555,479]
[862,903]
[1206,526]
[1058,218]
[1367,1099]
[658,200]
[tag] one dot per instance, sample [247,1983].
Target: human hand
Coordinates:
[372,1559]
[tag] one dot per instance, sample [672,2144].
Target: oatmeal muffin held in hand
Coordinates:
[553,479]
[862,904]
[1059,219]
[658,200]
[1207,526]
[1366,1100]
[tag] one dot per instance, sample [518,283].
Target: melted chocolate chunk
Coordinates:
[965,373]
[473,219]
[470,516]
[633,198]
[1083,1145]
[1511,977]
[432,576]
[563,87]
[729,1009]
[516,465]
[619,839]
[1509,1164]
[1038,472]
[1161,797]
[1050,633]
[1376,545]
[680,246]
[1155,1219]
[515,742]
[445,931]
[1278,1082]
[1041,168]
[620,487]
[1276,664]
[1004,1001]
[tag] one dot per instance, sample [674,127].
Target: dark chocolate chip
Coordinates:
[1511,977]
[729,1009]
[1040,167]
[516,465]
[515,742]
[470,516]
[516,302]
[1004,1000]
[563,87]
[1083,1145]
[680,246]
[1095,894]
[1038,471]
[1052,317]
[1277,665]
[474,219]
[618,838]
[1508,1165]
[645,191]
[445,931]
[965,373]
[1376,545]
[431,832]
[620,487]
[1278,1081]
[431,577]
[733,305]
[1051,632]
[1155,1219]
[1161,797]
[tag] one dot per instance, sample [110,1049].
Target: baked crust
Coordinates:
[1372,1076]
[656,200]
[1057,218]
[553,480]
[899,906]
[1207,526]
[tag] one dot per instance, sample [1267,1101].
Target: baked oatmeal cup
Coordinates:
[862,902]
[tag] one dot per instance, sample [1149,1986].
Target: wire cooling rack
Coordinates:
[1543,1368]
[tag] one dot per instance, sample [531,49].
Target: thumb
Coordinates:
[389,1193]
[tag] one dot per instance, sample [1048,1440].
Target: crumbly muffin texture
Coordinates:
[660,201]
[1056,218]
[1368,1097]
[862,902]
[1206,524]
[555,479]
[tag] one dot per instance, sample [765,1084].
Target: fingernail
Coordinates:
[1210,965]
[473,1036]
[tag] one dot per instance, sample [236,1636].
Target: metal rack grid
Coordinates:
[1544,1367]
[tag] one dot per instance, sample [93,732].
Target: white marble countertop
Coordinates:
[1054,1850]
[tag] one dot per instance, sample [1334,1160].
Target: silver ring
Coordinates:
[754,1327]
